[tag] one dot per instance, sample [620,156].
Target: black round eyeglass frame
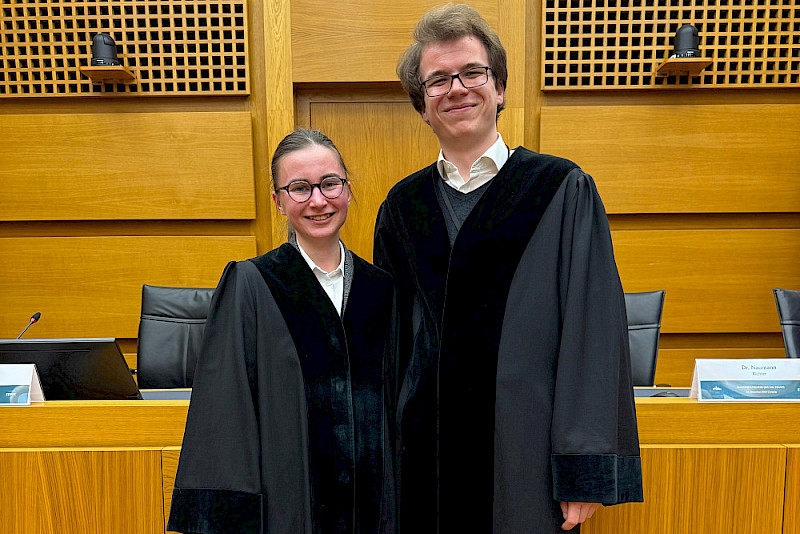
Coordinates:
[311,189]
[467,84]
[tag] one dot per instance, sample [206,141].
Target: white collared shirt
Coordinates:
[484,169]
[332,282]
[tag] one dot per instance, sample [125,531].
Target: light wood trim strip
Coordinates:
[791,511]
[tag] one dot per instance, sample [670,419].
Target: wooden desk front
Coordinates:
[108,466]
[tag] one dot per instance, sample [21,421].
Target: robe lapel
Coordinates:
[428,245]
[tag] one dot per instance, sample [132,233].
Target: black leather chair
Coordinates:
[788,303]
[644,328]
[170,335]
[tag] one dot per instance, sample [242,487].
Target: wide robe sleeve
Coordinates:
[595,448]
[218,484]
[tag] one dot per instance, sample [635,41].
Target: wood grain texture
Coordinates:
[511,126]
[676,366]
[169,467]
[683,158]
[358,40]
[278,111]
[100,166]
[62,491]
[115,228]
[736,490]
[716,280]
[161,423]
[91,286]
[94,424]
[791,510]
[370,137]
[512,30]
[683,420]
[683,426]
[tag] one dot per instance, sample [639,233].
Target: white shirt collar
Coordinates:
[314,267]
[333,282]
[482,170]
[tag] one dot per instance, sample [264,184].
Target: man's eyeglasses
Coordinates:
[300,190]
[469,78]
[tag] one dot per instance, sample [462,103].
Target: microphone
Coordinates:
[34,318]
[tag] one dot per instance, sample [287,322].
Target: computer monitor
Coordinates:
[75,369]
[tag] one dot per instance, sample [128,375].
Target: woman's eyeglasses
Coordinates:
[301,190]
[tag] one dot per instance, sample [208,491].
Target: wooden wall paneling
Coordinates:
[128,348]
[791,511]
[512,29]
[533,73]
[79,491]
[381,143]
[169,467]
[716,280]
[726,492]
[102,166]
[273,110]
[705,221]
[358,40]
[683,158]
[91,286]
[162,227]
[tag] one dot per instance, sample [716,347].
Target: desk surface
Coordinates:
[160,423]
[106,455]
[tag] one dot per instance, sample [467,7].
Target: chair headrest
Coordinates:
[644,309]
[176,302]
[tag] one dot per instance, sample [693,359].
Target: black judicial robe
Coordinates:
[286,430]
[513,351]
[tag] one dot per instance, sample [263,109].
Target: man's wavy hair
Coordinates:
[446,23]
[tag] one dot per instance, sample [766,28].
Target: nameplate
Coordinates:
[763,379]
[19,384]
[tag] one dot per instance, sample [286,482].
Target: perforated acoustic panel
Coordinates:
[590,44]
[173,47]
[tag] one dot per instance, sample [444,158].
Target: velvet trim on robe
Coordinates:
[523,421]
[287,427]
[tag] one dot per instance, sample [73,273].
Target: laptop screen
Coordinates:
[75,369]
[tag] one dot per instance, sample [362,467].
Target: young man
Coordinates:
[515,410]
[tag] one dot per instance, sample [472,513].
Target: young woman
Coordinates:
[287,429]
